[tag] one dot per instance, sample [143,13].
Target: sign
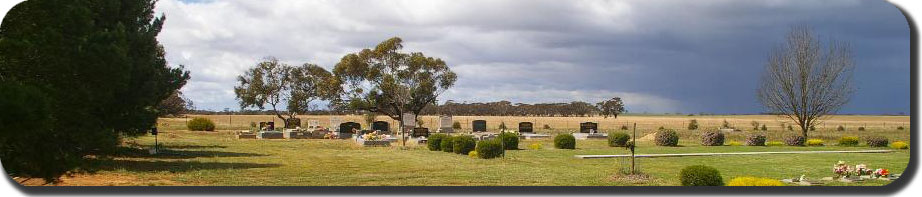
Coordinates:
[409,120]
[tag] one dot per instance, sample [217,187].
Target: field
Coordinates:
[218,158]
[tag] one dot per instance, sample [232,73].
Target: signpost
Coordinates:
[153,131]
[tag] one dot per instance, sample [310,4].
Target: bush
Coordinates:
[815,142]
[447,144]
[877,141]
[456,125]
[693,124]
[463,144]
[812,128]
[661,128]
[755,125]
[790,128]
[861,128]
[547,126]
[795,140]
[840,128]
[535,146]
[472,154]
[764,128]
[666,137]
[699,175]
[624,127]
[755,140]
[488,149]
[725,125]
[712,138]
[848,141]
[510,140]
[733,143]
[565,141]
[754,181]
[502,126]
[900,128]
[200,124]
[899,145]
[434,141]
[618,139]
[774,143]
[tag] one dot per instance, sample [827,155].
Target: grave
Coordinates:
[313,124]
[420,132]
[588,127]
[271,135]
[529,136]
[246,135]
[319,133]
[293,123]
[526,127]
[382,126]
[445,124]
[479,126]
[347,129]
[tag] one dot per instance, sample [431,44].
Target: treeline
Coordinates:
[506,108]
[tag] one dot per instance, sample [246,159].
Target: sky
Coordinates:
[660,56]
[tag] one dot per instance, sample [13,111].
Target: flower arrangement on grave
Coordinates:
[881,173]
[373,136]
[842,170]
[330,135]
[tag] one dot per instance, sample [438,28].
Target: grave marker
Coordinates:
[479,125]
[445,124]
[526,127]
[588,127]
[381,126]
[420,132]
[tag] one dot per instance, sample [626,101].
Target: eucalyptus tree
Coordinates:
[611,107]
[273,84]
[805,80]
[387,81]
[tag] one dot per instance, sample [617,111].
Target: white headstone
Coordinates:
[445,124]
[313,123]
[334,123]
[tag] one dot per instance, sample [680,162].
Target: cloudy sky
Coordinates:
[661,56]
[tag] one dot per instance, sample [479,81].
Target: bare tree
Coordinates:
[804,81]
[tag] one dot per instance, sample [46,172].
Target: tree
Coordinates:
[174,105]
[612,107]
[95,72]
[804,81]
[273,83]
[385,81]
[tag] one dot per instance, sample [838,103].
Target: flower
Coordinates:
[882,172]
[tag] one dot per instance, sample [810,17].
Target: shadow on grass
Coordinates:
[191,146]
[170,166]
[131,152]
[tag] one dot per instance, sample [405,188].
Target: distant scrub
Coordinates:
[200,124]
[693,124]
[840,128]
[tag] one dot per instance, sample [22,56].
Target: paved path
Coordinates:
[730,153]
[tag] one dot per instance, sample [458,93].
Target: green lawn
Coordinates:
[218,158]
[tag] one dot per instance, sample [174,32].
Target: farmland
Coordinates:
[218,158]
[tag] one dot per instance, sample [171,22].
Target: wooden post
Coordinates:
[633,146]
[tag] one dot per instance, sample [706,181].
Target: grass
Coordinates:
[219,159]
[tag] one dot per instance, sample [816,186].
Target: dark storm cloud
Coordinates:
[661,56]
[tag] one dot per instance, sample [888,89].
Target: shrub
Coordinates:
[754,181]
[456,125]
[502,126]
[624,127]
[666,137]
[877,141]
[764,128]
[790,128]
[618,139]
[725,125]
[693,124]
[463,144]
[535,146]
[547,126]
[848,141]
[510,140]
[488,149]
[815,142]
[861,128]
[774,143]
[434,141]
[200,124]
[900,128]
[794,140]
[661,128]
[565,141]
[755,125]
[447,144]
[472,154]
[733,143]
[812,128]
[712,138]
[699,175]
[755,140]
[899,145]
[840,128]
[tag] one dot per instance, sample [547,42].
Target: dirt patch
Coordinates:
[636,179]
[648,137]
[100,180]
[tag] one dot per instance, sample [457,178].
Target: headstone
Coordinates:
[588,127]
[263,125]
[420,131]
[313,124]
[293,123]
[445,124]
[479,126]
[526,127]
[347,127]
[381,126]
[270,126]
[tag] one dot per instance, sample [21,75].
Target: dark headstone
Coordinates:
[587,126]
[270,126]
[293,123]
[479,126]
[381,126]
[262,125]
[526,127]
[347,127]
[420,131]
